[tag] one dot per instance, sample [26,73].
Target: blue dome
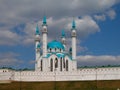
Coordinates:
[38,46]
[55,44]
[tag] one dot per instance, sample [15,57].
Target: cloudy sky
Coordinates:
[98,29]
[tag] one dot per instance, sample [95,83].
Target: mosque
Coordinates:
[53,62]
[54,56]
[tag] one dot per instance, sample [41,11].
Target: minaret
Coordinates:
[73,35]
[44,35]
[63,39]
[37,46]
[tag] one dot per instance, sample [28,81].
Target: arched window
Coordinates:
[50,49]
[55,49]
[51,64]
[66,65]
[61,64]
[60,49]
[41,65]
[56,63]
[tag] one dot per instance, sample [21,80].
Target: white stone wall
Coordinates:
[6,74]
[79,75]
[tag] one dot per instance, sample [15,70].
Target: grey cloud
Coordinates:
[8,55]
[100,17]
[9,59]
[8,37]
[27,10]
[111,13]
[60,13]
[90,60]
[85,26]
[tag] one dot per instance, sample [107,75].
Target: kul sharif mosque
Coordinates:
[54,56]
[54,63]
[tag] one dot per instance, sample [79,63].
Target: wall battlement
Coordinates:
[82,74]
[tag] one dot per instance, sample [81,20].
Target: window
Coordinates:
[56,63]
[41,65]
[60,49]
[55,49]
[50,49]
[66,65]
[61,64]
[45,30]
[74,33]
[51,64]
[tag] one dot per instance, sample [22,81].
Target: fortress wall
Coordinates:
[81,74]
[6,76]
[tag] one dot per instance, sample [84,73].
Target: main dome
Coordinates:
[55,44]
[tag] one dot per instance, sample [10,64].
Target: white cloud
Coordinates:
[9,59]
[85,26]
[100,17]
[90,60]
[111,13]
[8,37]
[9,62]
[59,15]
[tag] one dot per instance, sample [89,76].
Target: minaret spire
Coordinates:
[37,46]
[73,24]
[37,30]
[44,35]
[73,35]
[73,49]
[63,33]
[44,20]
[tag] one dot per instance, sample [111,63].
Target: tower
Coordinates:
[37,46]
[44,35]
[73,35]
[44,61]
[63,39]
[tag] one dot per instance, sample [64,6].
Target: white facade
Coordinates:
[54,55]
[54,63]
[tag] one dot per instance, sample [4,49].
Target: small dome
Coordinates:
[38,46]
[55,44]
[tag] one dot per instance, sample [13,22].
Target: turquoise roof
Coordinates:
[44,20]
[48,55]
[37,30]
[63,33]
[59,55]
[73,25]
[55,44]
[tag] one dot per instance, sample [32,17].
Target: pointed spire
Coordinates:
[63,33]
[37,30]
[73,24]
[44,20]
